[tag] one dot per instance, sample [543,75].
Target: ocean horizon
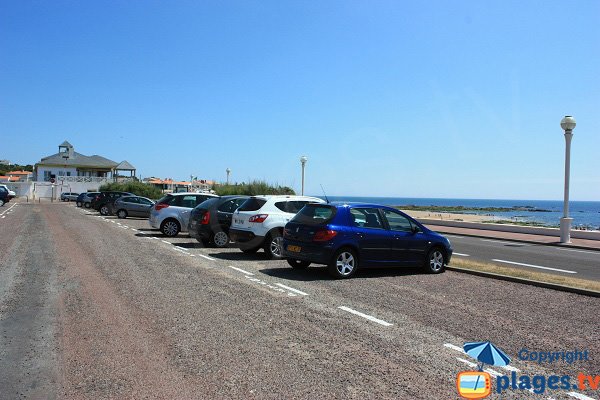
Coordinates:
[585,214]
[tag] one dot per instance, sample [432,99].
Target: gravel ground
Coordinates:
[100,308]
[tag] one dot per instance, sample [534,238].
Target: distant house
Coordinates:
[169,185]
[18,176]
[69,166]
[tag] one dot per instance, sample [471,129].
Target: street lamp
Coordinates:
[567,124]
[228,172]
[303,161]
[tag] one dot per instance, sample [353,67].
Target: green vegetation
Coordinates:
[252,188]
[138,188]
[14,167]
[520,223]
[462,209]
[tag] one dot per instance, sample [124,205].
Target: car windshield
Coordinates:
[252,204]
[315,214]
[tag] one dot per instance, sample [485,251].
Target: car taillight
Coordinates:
[160,206]
[205,218]
[324,236]
[258,218]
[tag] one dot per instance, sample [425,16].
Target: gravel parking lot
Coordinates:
[99,307]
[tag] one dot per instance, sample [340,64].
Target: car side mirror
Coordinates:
[415,230]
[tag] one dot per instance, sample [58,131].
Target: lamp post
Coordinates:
[567,124]
[228,172]
[303,161]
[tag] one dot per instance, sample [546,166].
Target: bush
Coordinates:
[137,188]
[252,189]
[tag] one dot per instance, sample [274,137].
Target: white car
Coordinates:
[259,222]
[171,214]
[11,194]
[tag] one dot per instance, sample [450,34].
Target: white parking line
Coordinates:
[292,289]
[369,317]
[454,236]
[473,365]
[240,270]
[164,241]
[579,251]
[503,242]
[461,254]
[207,257]
[535,266]
[7,210]
[580,396]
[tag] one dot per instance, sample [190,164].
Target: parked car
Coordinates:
[133,206]
[103,201]
[69,196]
[4,196]
[171,213]
[345,237]
[259,221]
[85,199]
[211,219]
[11,194]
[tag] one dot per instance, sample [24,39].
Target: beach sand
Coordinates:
[449,216]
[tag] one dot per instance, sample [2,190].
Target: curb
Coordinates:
[566,246]
[546,285]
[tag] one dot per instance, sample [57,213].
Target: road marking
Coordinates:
[369,317]
[461,254]
[500,241]
[292,289]
[7,210]
[579,396]
[239,269]
[207,257]
[460,350]
[535,266]
[580,251]
[164,241]
[473,365]
[266,284]
[454,236]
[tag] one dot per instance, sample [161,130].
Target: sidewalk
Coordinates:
[520,237]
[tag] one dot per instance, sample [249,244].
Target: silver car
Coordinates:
[171,214]
[133,206]
[68,196]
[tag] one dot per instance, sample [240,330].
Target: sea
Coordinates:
[585,214]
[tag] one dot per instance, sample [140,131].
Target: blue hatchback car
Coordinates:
[348,236]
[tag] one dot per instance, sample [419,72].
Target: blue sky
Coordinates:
[386,98]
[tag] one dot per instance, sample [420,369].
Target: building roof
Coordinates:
[65,144]
[4,178]
[79,160]
[125,166]
[19,173]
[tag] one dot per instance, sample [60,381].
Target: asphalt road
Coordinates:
[95,308]
[576,263]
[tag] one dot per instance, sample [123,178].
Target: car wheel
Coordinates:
[104,210]
[1,202]
[436,261]
[343,264]
[298,264]
[220,239]
[122,214]
[251,251]
[86,205]
[170,227]
[273,245]
[78,204]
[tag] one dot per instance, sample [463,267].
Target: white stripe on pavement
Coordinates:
[579,251]
[240,270]
[7,210]
[461,254]
[535,266]
[460,350]
[207,257]
[580,396]
[369,317]
[292,289]
[503,242]
[473,365]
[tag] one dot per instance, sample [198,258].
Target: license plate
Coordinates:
[295,249]
[239,221]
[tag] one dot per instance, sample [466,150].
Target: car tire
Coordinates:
[220,239]
[435,262]
[1,202]
[86,205]
[79,204]
[104,210]
[170,227]
[251,250]
[343,264]
[298,264]
[274,245]
[122,214]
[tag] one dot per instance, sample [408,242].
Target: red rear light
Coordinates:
[324,236]
[160,206]
[258,218]
[205,218]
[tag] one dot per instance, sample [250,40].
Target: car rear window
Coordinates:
[168,199]
[291,206]
[315,214]
[252,204]
[206,204]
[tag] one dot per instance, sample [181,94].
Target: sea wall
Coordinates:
[592,235]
